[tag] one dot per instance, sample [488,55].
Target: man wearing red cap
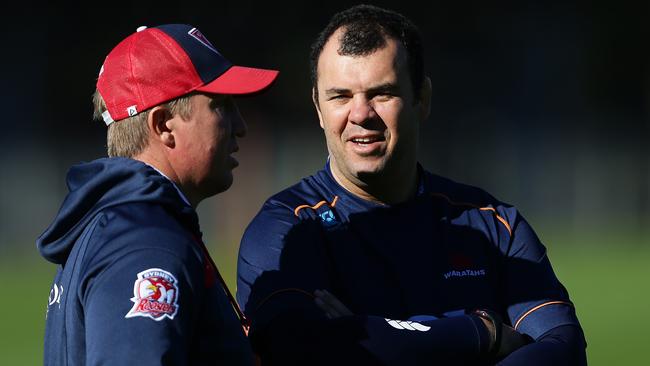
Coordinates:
[135,283]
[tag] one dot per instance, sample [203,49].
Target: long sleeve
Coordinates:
[537,303]
[141,307]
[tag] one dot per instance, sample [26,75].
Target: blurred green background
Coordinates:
[545,104]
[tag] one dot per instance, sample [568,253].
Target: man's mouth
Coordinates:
[367,139]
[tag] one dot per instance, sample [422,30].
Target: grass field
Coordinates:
[611,293]
[609,287]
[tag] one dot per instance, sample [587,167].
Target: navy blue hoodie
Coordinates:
[134,285]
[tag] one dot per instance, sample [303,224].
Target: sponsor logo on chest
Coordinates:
[463,266]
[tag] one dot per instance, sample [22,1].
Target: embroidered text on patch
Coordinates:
[465,273]
[155,295]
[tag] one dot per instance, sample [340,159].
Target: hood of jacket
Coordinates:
[104,183]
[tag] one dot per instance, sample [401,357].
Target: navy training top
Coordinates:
[134,284]
[411,272]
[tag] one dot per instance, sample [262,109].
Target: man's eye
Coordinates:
[384,95]
[224,104]
[338,97]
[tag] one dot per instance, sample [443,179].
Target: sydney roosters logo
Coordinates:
[155,295]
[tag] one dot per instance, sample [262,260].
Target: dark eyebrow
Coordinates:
[382,88]
[336,91]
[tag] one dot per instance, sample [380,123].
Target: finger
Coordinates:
[330,304]
[337,304]
[326,307]
[327,299]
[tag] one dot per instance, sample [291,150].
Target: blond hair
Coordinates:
[130,136]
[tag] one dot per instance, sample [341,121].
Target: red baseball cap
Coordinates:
[156,65]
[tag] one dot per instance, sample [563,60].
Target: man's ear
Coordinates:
[159,128]
[424,99]
[314,99]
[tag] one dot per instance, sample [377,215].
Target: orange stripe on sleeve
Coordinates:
[316,206]
[539,307]
[501,219]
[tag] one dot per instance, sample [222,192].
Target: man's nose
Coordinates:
[361,110]
[239,125]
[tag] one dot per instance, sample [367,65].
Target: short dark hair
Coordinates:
[366,28]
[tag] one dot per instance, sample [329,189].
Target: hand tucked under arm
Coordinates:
[332,306]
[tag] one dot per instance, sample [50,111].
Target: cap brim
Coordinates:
[240,80]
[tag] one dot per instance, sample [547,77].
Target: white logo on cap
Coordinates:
[132,110]
[196,34]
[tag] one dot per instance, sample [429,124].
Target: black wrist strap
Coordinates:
[496,321]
